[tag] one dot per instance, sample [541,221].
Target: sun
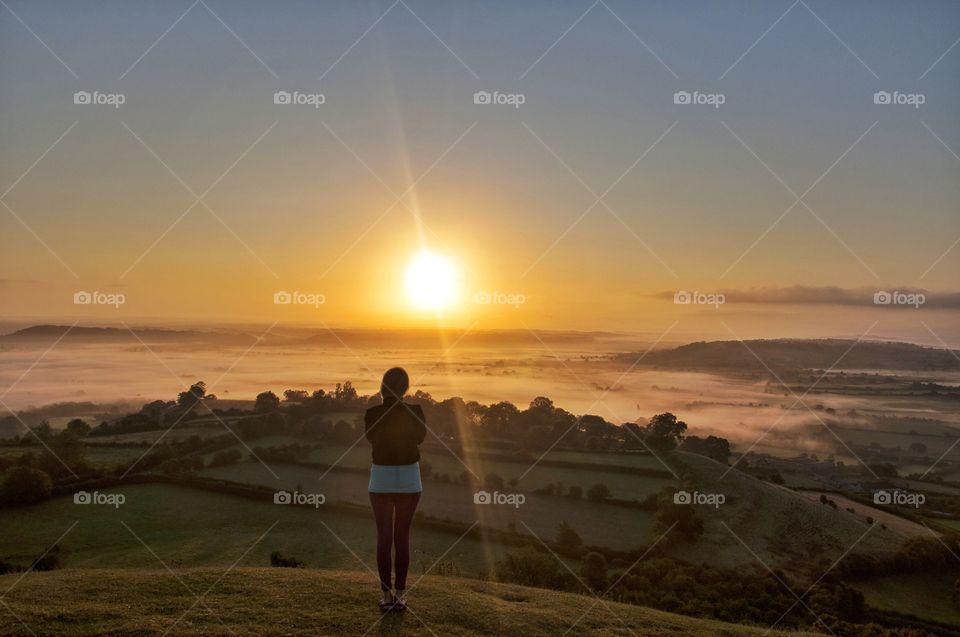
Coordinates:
[432,281]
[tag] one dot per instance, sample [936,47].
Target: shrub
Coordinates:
[594,571]
[531,568]
[279,561]
[567,537]
[49,561]
[598,492]
[25,485]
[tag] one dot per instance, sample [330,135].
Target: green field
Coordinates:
[608,525]
[302,602]
[926,595]
[189,527]
[623,486]
[99,456]
[166,435]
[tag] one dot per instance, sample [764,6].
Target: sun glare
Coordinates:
[432,281]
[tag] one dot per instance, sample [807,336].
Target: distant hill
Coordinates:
[791,354]
[81,334]
[300,602]
[315,337]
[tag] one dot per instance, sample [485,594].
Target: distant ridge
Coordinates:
[118,334]
[801,354]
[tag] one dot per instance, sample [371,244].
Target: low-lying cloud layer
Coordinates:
[830,295]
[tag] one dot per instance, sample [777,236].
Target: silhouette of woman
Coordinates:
[395,430]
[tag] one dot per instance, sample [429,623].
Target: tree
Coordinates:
[266,401]
[63,455]
[594,571]
[78,427]
[530,568]
[295,395]
[598,492]
[664,432]
[884,470]
[25,485]
[711,447]
[567,537]
[190,398]
[680,517]
[225,457]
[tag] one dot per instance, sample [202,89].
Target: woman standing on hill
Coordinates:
[395,429]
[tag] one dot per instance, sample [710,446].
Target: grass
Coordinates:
[300,602]
[197,528]
[622,486]
[95,455]
[616,527]
[763,522]
[926,595]
[177,433]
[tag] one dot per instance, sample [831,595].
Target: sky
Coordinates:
[587,199]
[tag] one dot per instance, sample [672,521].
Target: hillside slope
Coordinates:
[783,528]
[312,602]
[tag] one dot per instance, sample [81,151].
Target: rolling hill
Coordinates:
[783,528]
[792,354]
[291,602]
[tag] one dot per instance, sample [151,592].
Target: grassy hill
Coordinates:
[784,528]
[290,602]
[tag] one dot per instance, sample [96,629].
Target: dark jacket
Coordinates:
[395,429]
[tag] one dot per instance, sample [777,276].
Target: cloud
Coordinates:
[828,295]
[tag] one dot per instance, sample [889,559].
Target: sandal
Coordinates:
[387,606]
[400,603]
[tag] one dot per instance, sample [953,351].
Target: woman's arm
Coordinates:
[419,424]
[368,424]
